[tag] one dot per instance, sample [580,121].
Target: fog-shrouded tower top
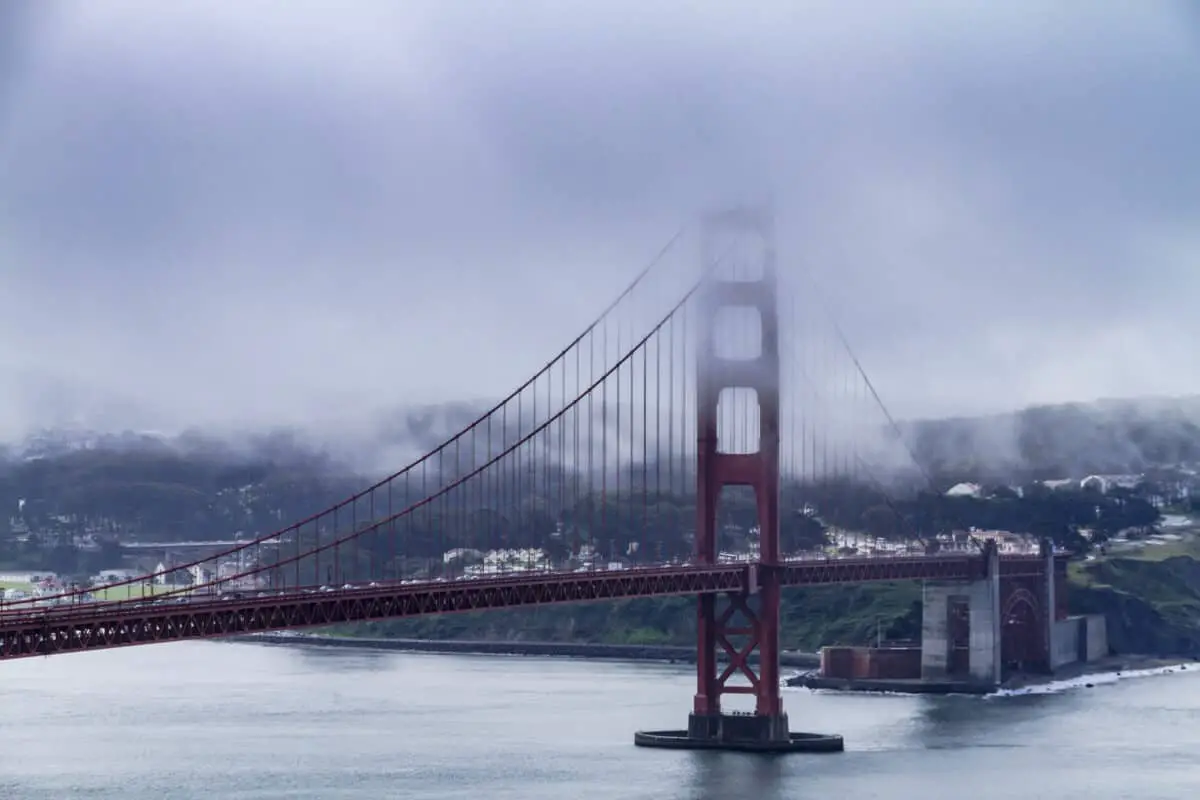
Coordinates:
[740,240]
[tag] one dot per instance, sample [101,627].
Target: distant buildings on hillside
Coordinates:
[1178,488]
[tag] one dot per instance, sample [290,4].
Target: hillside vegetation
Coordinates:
[1152,604]
[69,499]
[809,619]
[1153,608]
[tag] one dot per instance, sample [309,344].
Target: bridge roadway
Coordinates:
[92,626]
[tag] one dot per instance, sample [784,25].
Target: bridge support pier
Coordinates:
[961,628]
[748,622]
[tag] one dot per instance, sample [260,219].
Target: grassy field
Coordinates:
[25,587]
[131,591]
[1187,545]
[1084,573]
[1087,573]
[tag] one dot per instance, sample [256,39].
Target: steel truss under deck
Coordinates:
[105,625]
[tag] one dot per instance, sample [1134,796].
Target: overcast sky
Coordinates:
[257,213]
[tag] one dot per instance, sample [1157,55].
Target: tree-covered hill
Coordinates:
[61,488]
[1048,442]
[66,500]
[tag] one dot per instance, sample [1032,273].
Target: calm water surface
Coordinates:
[215,720]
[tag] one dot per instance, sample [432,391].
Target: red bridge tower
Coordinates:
[742,626]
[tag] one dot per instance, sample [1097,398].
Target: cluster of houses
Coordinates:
[24,585]
[43,583]
[60,529]
[471,563]
[1165,492]
[477,563]
[228,572]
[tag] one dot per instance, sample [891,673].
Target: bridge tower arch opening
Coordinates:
[1022,632]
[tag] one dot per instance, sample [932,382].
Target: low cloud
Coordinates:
[250,216]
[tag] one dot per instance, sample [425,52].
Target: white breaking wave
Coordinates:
[1083,681]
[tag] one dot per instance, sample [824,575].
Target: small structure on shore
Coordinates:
[974,634]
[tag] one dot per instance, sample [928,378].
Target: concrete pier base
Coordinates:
[751,733]
[960,628]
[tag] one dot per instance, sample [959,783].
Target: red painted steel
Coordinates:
[957,567]
[739,631]
[759,470]
[72,628]
[96,626]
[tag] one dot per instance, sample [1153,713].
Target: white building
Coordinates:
[106,577]
[1106,483]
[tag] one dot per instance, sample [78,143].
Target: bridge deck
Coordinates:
[61,629]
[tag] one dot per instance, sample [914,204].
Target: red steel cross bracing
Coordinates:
[727,634]
[756,629]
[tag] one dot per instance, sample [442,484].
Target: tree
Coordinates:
[799,532]
[880,521]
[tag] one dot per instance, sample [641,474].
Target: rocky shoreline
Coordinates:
[616,652]
[1115,666]
[1079,675]
[1103,670]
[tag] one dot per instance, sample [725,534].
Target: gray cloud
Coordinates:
[249,214]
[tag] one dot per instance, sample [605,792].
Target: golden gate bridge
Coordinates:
[691,386]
